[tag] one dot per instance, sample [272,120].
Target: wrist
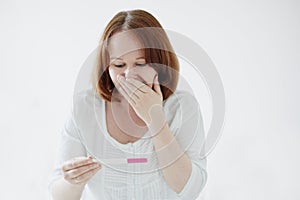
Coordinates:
[78,187]
[158,121]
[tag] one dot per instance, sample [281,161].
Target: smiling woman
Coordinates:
[144,117]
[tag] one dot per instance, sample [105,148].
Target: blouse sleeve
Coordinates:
[190,135]
[69,147]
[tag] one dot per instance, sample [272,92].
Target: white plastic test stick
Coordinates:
[117,161]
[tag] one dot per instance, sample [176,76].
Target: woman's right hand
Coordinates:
[80,170]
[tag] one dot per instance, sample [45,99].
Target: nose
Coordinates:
[129,71]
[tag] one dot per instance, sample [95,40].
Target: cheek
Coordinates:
[113,75]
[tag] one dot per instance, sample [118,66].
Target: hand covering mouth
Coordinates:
[139,78]
[146,75]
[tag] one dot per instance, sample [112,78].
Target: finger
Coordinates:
[124,92]
[156,85]
[85,177]
[81,170]
[134,87]
[76,162]
[129,89]
[138,84]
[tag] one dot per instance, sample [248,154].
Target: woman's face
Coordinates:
[125,61]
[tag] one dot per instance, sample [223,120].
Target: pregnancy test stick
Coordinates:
[117,161]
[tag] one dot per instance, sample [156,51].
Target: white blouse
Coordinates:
[85,133]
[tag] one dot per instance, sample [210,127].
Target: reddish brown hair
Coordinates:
[161,55]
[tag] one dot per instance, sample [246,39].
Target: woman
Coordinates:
[134,92]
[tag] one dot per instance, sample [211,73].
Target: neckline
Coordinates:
[113,140]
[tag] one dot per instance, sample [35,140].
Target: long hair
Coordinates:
[161,53]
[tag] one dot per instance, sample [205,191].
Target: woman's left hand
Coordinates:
[147,103]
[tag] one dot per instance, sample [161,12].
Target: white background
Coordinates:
[255,46]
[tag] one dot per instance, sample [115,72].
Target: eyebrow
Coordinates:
[122,59]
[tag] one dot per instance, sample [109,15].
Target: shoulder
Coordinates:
[87,98]
[181,99]
[180,106]
[87,104]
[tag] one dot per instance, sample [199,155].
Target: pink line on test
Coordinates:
[137,160]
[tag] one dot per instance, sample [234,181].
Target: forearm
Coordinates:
[170,154]
[62,190]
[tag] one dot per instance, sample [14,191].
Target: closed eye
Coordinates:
[119,65]
[122,65]
[142,65]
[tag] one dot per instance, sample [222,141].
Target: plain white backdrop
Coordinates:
[255,46]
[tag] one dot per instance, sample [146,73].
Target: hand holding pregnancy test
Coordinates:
[80,170]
